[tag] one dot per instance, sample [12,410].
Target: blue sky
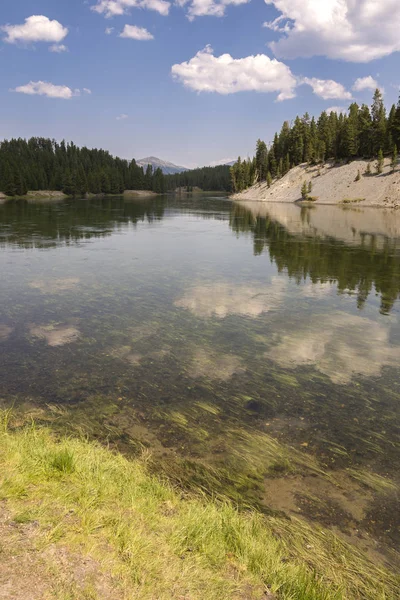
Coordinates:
[191,82]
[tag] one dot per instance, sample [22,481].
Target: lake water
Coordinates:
[253,349]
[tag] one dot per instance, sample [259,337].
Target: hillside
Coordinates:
[166,167]
[332,184]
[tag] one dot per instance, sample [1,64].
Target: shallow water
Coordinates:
[254,348]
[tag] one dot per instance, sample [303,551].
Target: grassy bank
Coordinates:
[87,523]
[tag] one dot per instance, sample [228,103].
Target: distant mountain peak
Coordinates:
[167,168]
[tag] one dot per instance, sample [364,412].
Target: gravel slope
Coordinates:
[332,185]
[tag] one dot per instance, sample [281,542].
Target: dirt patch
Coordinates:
[54,286]
[5,332]
[55,335]
[139,194]
[30,572]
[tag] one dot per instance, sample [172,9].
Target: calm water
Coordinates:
[255,349]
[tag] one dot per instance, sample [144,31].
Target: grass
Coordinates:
[155,542]
[373,481]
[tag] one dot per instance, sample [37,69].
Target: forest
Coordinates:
[44,164]
[364,132]
[208,179]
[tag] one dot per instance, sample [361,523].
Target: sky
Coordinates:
[194,82]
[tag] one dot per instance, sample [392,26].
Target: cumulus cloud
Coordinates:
[109,30]
[326,88]
[223,299]
[202,8]
[58,48]
[365,83]
[136,33]
[338,347]
[122,117]
[336,109]
[226,75]
[112,8]
[43,88]
[87,91]
[353,30]
[36,28]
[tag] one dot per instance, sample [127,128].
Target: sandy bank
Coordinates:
[45,195]
[332,185]
[139,194]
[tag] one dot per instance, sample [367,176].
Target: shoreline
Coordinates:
[332,185]
[57,195]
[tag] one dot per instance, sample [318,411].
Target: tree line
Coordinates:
[365,132]
[208,179]
[44,164]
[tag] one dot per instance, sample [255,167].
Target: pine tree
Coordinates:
[379,162]
[396,126]
[378,112]
[8,184]
[287,164]
[368,169]
[20,185]
[309,187]
[393,164]
[261,160]
[269,179]
[304,190]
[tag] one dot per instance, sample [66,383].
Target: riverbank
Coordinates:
[80,521]
[332,184]
[56,195]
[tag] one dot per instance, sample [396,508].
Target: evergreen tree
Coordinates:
[269,179]
[8,185]
[304,190]
[393,164]
[261,160]
[20,185]
[379,162]
[396,126]
[378,113]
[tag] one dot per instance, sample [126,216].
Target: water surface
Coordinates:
[253,348]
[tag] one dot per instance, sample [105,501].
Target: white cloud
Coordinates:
[214,8]
[136,33]
[365,83]
[353,30]
[112,8]
[58,48]
[327,88]
[109,30]
[43,88]
[336,109]
[226,75]
[87,91]
[36,28]
[122,117]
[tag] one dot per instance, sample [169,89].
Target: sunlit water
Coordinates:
[200,328]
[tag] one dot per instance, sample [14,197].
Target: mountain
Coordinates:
[166,167]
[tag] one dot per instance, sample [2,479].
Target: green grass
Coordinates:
[157,542]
